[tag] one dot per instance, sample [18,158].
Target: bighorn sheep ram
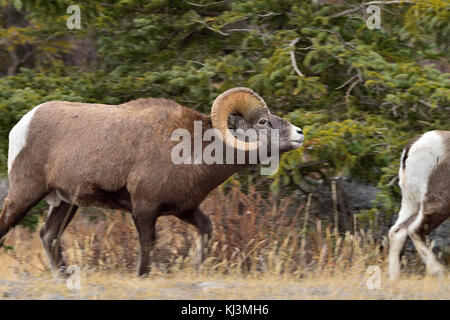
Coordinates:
[119,156]
[425,182]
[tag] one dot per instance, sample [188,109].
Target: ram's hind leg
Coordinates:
[21,198]
[204,228]
[399,233]
[58,219]
[417,232]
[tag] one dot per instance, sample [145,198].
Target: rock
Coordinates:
[352,197]
[359,195]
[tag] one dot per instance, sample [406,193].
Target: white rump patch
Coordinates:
[423,157]
[18,136]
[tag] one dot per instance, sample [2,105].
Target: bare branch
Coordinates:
[293,61]
[245,30]
[425,103]
[267,14]
[347,94]
[193,61]
[16,61]
[229,31]
[346,82]
[208,4]
[212,29]
[314,163]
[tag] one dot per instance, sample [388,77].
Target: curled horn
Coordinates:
[240,100]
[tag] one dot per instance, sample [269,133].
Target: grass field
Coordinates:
[258,251]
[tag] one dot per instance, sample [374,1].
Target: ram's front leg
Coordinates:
[144,217]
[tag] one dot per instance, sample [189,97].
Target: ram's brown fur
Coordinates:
[114,156]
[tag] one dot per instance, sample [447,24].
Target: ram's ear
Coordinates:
[236,122]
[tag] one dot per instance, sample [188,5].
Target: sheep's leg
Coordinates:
[144,218]
[397,241]
[204,228]
[433,266]
[58,219]
[21,198]
[398,234]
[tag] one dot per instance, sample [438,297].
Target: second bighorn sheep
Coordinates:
[119,156]
[425,182]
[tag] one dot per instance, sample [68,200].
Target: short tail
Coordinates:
[406,151]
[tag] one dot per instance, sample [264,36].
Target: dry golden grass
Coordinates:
[258,251]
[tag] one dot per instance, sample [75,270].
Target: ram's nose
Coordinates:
[297,135]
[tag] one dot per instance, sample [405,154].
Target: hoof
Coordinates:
[60,273]
[437,271]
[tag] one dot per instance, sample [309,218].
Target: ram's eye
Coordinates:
[262,122]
